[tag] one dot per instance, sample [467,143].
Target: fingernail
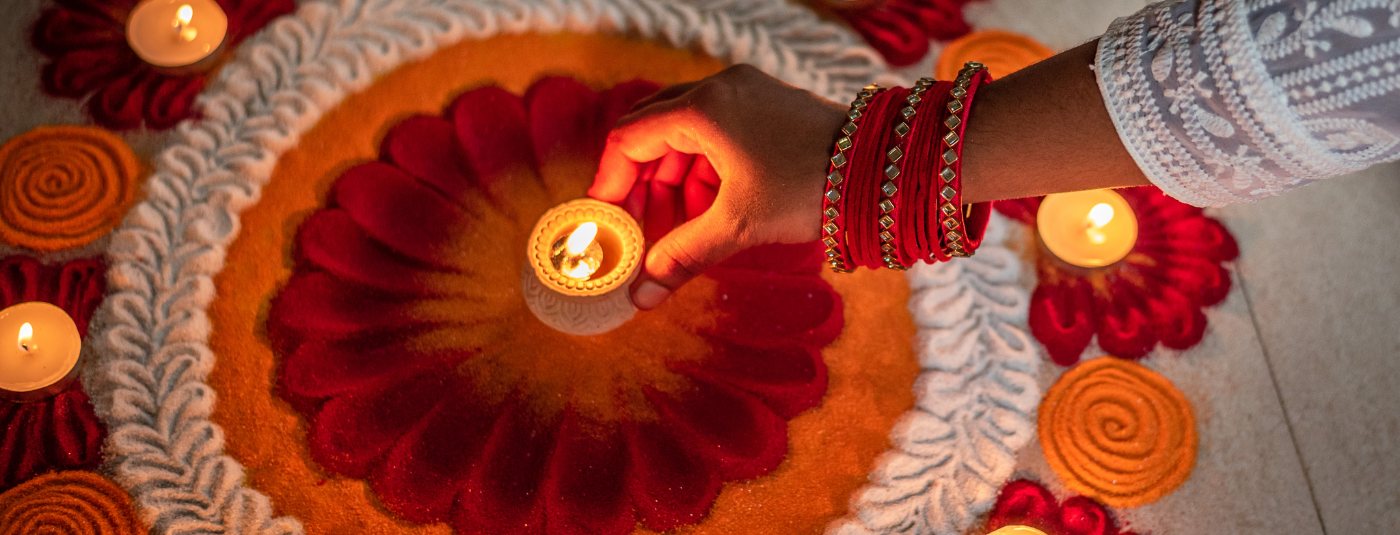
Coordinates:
[649,294]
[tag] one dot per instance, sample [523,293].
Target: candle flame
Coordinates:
[26,336]
[581,239]
[1100,215]
[183,16]
[580,271]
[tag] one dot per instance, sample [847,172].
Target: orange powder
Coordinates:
[1118,432]
[832,448]
[1001,51]
[64,186]
[69,503]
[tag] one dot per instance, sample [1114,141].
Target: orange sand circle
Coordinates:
[68,503]
[1001,51]
[1118,432]
[64,186]
[832,448]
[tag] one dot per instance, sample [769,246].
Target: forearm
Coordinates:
[1044,129]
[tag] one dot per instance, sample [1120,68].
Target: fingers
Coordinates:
[684,254]
[616,175]
[665,94]
[643,136]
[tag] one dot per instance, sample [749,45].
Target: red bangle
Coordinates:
[837,251]
[894,189]
[863,193]
[921,221]
[899,186]
[952,221]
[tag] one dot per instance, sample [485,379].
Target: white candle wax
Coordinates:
[39,349]
[176,33]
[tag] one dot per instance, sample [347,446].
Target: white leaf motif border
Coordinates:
[149,349]
[976,398]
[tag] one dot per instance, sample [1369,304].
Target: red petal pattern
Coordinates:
[85,41]
[591,491]
[393,295]
[674,485]
[1027,503]
[350,433]
[901,29]
[1154,295]
[62,432]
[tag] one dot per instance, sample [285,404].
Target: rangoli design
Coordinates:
[61,432]
[1001,51]
[68,503]
[901,29]
[1118,432]
[405,338]
[977,396]
[154,343]
[90,58]
[64,186]
[1154,295]
[1027,503]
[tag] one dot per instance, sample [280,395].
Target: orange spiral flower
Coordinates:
[64,186]
[1118,432]
[1002,52]
[68,503]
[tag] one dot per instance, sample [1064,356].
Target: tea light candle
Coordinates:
[1087,228]
[1017,530]
[176,33]
[581,258]
[39,349]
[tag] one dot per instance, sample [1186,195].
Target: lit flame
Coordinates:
[580,256]
[26,336]
[580,271]
[183,16]
[581,239]
[1099,216]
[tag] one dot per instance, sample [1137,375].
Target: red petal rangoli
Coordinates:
[405,341]
[900,30]
[1153,295]
[1026,503]
[61,432]
[85,41]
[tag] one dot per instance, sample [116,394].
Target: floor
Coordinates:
[1299,380]
[1319,270]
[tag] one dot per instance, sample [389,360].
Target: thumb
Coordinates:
[684,254]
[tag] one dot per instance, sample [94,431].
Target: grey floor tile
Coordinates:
[1322,270]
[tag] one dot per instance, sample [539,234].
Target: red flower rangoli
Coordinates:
[406,343]
[90,58]
[1026,503]
[900,30]
[1153,295]
[61,432]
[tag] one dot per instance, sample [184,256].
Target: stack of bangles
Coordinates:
[894,194]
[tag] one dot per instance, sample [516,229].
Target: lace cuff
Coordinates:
[1219,101]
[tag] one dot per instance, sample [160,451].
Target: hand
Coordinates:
[769,143]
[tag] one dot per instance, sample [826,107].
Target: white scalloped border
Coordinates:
[976,398]
[151,334]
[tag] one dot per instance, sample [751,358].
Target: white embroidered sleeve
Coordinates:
[1227,101]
